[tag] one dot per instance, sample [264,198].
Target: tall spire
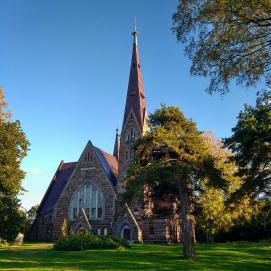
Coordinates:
[117,144]
[135,94]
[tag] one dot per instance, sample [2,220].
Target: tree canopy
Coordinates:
[226,40]
[215,212]
[173,157]
[13,148]
[251,144]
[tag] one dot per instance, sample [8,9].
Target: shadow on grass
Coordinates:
[231,256]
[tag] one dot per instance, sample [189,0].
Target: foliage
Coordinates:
[173,155]
[31,213]
[12,218]
[13,148]
[226,40]
[64,228]
[255,229]
[30,216]
[214,210]
[241,256]
[251,144]
[89,241]
[3,243]
[5,114]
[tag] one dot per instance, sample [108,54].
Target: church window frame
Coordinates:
[131,134]
[89,197]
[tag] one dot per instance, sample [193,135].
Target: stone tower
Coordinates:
[134,121]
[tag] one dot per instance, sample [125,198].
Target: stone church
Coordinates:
[85,193]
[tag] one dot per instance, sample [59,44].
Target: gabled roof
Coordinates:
[135,94]
[56,186]
[65,170]
[109,164]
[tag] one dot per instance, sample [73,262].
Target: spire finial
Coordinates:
[117,143]
[135,33]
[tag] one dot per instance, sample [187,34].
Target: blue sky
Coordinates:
[64,69]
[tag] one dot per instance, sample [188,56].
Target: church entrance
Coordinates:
[126,234]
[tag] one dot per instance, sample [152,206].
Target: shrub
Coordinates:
[3,243]
[89,241]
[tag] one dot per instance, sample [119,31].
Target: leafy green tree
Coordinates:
[226,40]
[254,229]
[13,148]
[12,217]
[31,213]
[30,216]
[214,210]
[251,144]
[173,155]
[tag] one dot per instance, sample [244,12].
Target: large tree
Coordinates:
[215,212]
[251,144]
[173,155]
[226,40]
[13,148]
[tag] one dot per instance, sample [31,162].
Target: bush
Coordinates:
[89,241]
[3,243]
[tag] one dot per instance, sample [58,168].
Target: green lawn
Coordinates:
[229,256]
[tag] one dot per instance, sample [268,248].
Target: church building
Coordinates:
[85,194]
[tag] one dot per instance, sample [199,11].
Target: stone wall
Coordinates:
[42,228]
[86,171]
[125,154]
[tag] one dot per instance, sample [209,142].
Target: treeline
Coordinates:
[256,228]
[219,190]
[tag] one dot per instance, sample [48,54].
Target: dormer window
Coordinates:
[131,135]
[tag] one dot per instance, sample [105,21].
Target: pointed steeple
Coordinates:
[117,145]
[135,94]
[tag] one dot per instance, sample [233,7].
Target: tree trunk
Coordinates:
[187,220]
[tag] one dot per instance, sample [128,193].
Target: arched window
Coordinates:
[89,197]
[131,134]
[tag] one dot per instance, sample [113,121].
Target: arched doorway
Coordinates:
[126,233]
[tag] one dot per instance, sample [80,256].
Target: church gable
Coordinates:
[131,122]
[91,186]
[94,159]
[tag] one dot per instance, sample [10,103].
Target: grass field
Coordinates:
[229,256]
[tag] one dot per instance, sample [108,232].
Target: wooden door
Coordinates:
[126,234]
